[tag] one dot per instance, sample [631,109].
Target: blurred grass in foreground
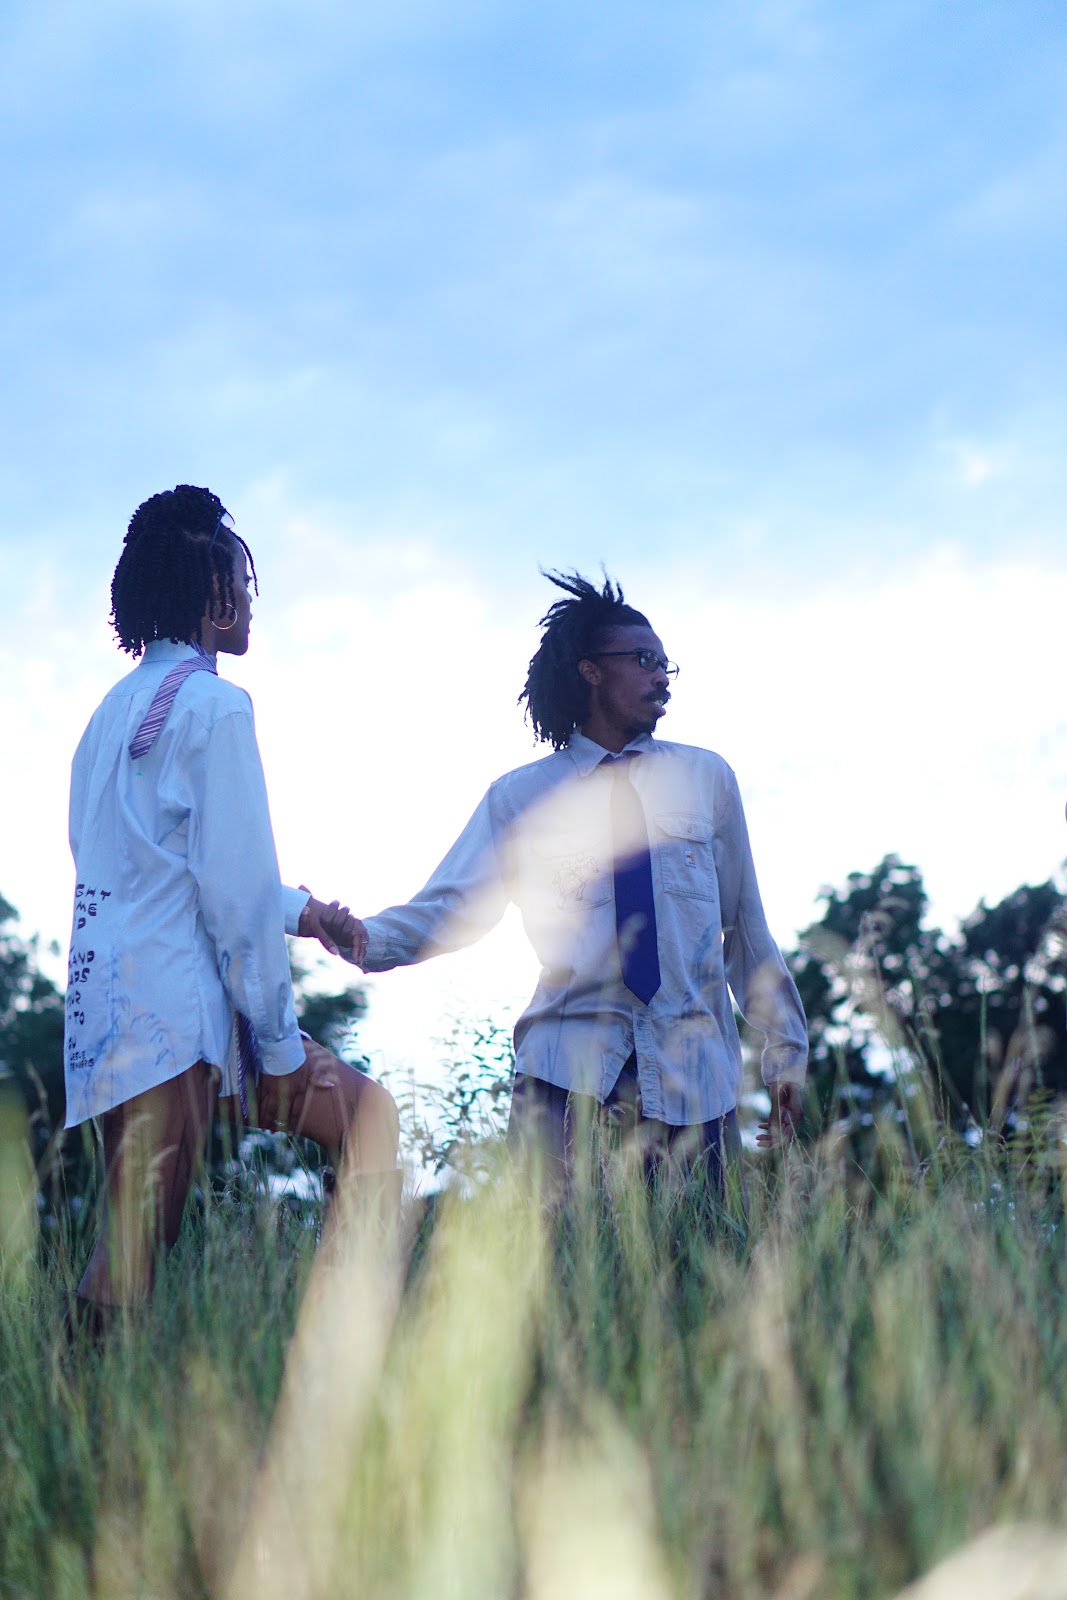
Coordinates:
[638,1396]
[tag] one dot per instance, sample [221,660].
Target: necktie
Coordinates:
[163,699]
[249,1058]
[635,906]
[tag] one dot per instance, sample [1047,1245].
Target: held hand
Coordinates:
[779,1128]
[347,932]
[334,926]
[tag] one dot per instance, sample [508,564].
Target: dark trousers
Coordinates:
[548,1121]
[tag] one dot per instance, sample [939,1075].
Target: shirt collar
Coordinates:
[158,650]
[587,754]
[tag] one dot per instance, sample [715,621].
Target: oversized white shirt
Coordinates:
[542,837]
[179,912]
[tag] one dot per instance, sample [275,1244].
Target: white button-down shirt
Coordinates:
[542,837]
[179,913]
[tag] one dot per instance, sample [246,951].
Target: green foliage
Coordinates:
[109,1457]
[447,1122]
[635,1393]
[329,1015]
[630,1396]
[31,1057]
[31,1019]
[979,1016]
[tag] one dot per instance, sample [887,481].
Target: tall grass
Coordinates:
[636,1394]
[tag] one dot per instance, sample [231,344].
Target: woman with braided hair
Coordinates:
[179,990]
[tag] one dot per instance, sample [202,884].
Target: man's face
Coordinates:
[625,696]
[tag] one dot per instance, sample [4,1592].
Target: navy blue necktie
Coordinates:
[635,906]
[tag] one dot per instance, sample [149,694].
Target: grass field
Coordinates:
[636,1397]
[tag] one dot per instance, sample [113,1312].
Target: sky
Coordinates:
[759,305]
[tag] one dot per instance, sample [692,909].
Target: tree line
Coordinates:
[977,1015]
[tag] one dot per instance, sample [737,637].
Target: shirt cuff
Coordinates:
[282,1056]
[376,956]
[780,1065]
[293,903]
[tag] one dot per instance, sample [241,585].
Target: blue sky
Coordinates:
[689,268]
[761,304]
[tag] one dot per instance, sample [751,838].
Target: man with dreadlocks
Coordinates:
[179,988]
[630,862]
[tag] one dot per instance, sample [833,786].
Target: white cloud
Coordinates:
[973,464]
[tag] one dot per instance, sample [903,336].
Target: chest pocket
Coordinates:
[682,845]
[570,875]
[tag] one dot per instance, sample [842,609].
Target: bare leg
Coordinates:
[153,1144]
[354,1119]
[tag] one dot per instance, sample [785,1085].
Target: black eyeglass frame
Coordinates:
[647,660]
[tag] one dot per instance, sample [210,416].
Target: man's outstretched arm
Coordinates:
[463,899]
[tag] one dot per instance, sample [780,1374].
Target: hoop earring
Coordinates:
[224,627]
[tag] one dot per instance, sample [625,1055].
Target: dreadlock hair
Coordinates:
[177,559]
[556,694]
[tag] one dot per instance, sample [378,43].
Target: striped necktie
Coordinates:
[635,905]
[249,1057]
[163,699]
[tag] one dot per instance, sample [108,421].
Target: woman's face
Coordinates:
[225,630]
[233,641]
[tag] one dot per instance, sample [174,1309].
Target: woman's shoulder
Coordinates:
[203,689]
[208,697]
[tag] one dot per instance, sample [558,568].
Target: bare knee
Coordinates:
[377,1126]
[388,1116]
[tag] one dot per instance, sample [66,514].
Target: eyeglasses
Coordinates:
[647,660]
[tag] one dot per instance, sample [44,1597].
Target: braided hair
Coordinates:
[556,694]
[177,560]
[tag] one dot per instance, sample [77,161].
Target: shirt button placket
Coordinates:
[647,1070]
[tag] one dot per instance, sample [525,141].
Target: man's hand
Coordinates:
[779,1128]
[334,926]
